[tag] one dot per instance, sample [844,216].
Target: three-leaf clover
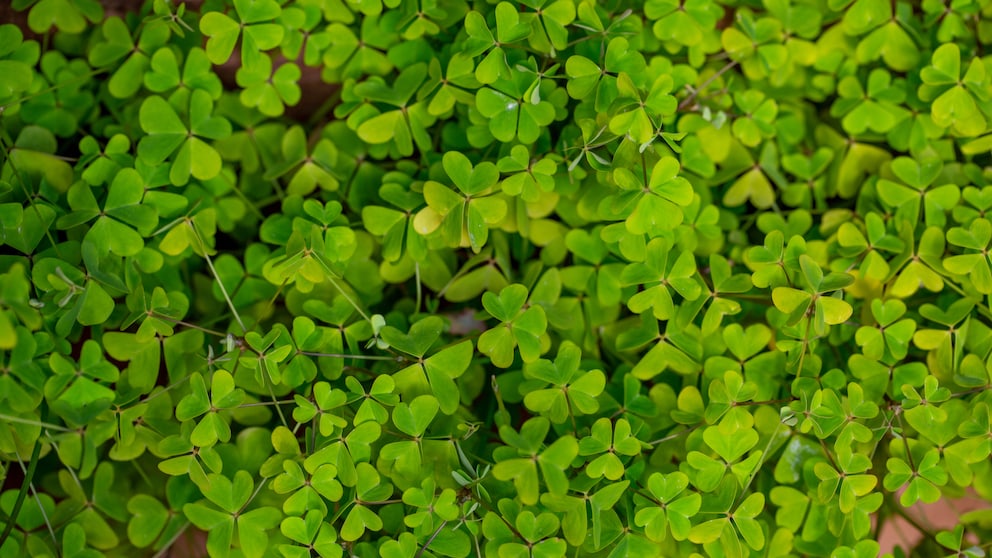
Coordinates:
[818,305]
[311,534]
[955,98]
[521,328]
[435,374]
[254,26]
[515,108]
[166,133]
[850,481]
[606,441]
[227,519]
[923,479]
[223,395]
[651,208]
[525,457]
[890,337]
[665,269]
[463,218]
[121,222]
[673,510]
[573,391]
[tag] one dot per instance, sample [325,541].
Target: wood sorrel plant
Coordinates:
[539,279]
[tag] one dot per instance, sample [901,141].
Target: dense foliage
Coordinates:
[538,279]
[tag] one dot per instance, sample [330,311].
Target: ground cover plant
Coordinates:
[514,279]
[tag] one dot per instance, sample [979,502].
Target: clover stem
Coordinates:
[187,324]
[897,509]
[676,435]
[275,402]
[761,461]
[343,355]
[647,496]
[830,457]
[23,492]
[210,264]
[79,78]
[248,203]
[324,108]
[49,426]
[430,539]
[161,553]
[6,150]
[984,310]
[802,355]
[490,509]
[879,521]
[330,277]
[909,453]
[265,403]
[420,294]
[695,92]
[766,402]
[571,414]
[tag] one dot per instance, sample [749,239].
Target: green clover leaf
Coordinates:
[607,441]
[552,461]
[521,328]
[954,98]
[168,136]
[923,480]
[225,520]
[311,534]
[574,391]
[254,27]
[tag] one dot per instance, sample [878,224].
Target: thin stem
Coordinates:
[695,92]
[23,492]
[489,508]
[27,194]
[165,389]
[186,324]
[761,461]
[213,271]
[334,283]
[430,539]
[356,357]
[984,310]
[909,453]
[768,402]
[676,435]
[28,480]
[265,404]
[275,402]
[161,553]
[648,497]
[898,510]
[420,295]
[48,425]
[830,457]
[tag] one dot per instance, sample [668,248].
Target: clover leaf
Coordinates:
[520,329]
[512,114]
[954,98]
[311,534]
[609,441]
[225,518]
[271,90]
[168,136]
[406,124]
[923,480]
[573,392]
[253,26]
[552,461]
[464,218]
